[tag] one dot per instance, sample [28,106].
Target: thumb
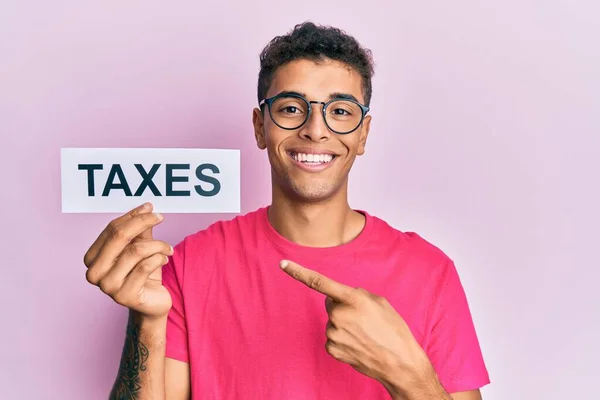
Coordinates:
[156,275]
[147,234]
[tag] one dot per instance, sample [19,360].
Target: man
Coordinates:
[303,299]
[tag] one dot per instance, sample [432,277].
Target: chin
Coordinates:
[314,193]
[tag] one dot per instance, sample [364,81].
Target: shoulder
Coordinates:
[412,247]
[227,230]
[415,245]
[192,253]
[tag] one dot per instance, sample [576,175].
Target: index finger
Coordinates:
[319,282]
[94,249]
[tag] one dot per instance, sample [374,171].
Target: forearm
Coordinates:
[427,390]
[142,370]
[422,384]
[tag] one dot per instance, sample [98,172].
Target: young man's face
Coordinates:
[289,150]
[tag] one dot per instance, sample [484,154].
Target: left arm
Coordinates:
[425,385]
[470,395]
[366,332]
[432,390]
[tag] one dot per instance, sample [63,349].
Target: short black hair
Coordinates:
[316,43]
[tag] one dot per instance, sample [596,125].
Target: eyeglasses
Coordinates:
[291,111]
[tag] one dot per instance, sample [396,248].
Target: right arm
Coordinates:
[125,263]
[145,372]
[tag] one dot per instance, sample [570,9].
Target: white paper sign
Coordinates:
[115,180]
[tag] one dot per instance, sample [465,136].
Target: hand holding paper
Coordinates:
[125,263]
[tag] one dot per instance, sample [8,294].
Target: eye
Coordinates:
[340,111]
[291,110]
[285,107]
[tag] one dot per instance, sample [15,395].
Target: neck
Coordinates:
[326,223]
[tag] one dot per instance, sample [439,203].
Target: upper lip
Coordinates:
[308,150]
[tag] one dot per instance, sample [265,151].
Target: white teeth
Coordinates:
[312,158]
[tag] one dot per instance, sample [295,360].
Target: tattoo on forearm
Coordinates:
[133,360]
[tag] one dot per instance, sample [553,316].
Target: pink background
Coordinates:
[485,140]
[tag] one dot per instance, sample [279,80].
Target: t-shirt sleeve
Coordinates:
[454,348]
[172,276]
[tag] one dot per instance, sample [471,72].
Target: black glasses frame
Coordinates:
[269,101]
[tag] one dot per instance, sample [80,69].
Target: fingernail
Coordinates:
[159,216]
[146,206]
[172,250]
[283,264]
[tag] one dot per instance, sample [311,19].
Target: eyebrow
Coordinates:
[347,96]
[334,95]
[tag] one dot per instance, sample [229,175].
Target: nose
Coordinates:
[315,128]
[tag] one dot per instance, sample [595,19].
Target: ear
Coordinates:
[259,128]
[364,133]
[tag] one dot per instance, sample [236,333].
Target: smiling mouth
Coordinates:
[312,159]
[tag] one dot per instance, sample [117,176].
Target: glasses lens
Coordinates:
[343,116]
[289,112]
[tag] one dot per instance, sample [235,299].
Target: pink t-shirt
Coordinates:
[250,331]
